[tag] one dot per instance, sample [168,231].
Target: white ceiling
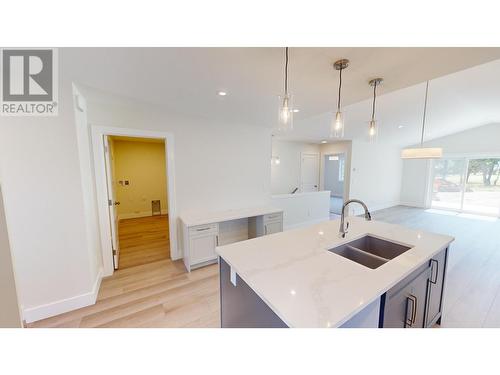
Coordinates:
[456,102]
[186,80]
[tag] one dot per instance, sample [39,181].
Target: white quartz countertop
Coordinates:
[200,218]
[308,286]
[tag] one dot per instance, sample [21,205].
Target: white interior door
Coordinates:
[112,203]
[309,172]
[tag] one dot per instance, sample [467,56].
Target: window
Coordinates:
[341,169]
[467,185]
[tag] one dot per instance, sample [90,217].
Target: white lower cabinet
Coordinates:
[200,241]
[273,227]
[203,248]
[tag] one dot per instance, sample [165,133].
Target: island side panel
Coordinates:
[241,307]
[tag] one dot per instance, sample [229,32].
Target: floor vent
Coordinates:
[156,207]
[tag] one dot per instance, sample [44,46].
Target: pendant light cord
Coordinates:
[286,70]
[374,98]
[425,112]
[340,88]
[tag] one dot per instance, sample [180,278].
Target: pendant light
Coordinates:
[372,125]
[337,125]
[423,152]
[286,109]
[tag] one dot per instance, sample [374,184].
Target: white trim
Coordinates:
[98,132]
[48,310]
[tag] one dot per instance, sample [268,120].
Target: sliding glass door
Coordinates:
[467,185]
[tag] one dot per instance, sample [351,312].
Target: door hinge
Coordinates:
[110,202]
[114,252]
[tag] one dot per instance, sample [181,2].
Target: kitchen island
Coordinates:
[379,275]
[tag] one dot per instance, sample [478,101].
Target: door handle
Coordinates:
[413,317]
[434,261]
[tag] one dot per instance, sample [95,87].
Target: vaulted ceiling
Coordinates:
[186,80]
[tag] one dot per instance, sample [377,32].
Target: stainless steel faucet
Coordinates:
[343,228]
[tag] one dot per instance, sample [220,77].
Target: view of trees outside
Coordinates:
[480,187]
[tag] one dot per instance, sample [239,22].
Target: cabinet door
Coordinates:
[406,308]
[275,227]
[202,248]
[436,283]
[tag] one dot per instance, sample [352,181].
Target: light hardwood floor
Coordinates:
[149,290]
[163,294]
[143,240]
[158,294]
[472,296]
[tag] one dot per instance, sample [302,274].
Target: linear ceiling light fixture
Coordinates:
[372,125]
[286,109]
[423,152]
[337,125]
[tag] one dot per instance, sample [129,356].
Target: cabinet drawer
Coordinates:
[273,217]
[203,229]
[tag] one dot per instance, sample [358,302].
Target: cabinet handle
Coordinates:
[217,240]
[202,229]
[413,317]
[434,261]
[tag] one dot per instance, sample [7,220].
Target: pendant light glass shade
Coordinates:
[423,152]
[337,124]
[372,131]
[285,114]
[372,125]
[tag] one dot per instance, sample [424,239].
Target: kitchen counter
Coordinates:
[306,285]
[201,218]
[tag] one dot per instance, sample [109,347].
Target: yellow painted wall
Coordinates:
[143,164]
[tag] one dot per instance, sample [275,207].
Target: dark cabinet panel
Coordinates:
[436,284]
[404,305]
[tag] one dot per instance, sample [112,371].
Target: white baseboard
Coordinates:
[412,204]
[134,215]
[48,310]
[305,223]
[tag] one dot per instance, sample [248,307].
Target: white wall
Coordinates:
[42,186]
[218,166]
[480,141]
[285,176]
[303,208]
[86,160]
[376,171]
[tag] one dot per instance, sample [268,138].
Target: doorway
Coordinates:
[137,189]
[469,185]
[334,180]
[309,172]
[136,196]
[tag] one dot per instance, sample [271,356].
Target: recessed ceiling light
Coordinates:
[296,110]
[221,93]
[324,142]
[401,126]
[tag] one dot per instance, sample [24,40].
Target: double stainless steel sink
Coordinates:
[370,251]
